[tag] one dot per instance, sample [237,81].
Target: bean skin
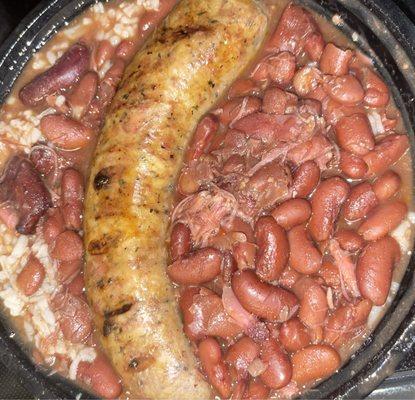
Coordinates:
[304,256]
[349,240]
[273,249]
[305,179]
[218,374]
[361,200]
[387,185]
[180,241]
[242,353]
[382,220]
[262,299]
[374,269]
[352,166]
[293,335]
[334,60]
[314,362]
[279,371]
[198,267]
[355,135]
[31,277]
[325,205]
[291,213]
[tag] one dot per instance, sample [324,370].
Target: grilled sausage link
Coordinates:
[177,77]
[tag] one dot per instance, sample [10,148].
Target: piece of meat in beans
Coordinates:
[334,60]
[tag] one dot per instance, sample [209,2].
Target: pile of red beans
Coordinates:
[280,239]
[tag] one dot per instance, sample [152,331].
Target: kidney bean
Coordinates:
[206,128]
[83,93]
[218,375]
[292,212]
[386,153]
[242,353]
[314,362]
[333,111]
[53,226]
[349,240]
[104,52]
[387,185]
[314,46]
[279,370]
[239,225]
[330,274]
[352,166]
[288,278]
[31,277]
[77,285]
[305,179]
[293,335]
[360,201]
[68,269]
[67,70]
[262,299]
[343,323]
[325,205]
[375,267]
[355,135]
[238,108]
[192,331]
[273,249]
[384,219]
[256,390]
[345,89]
[64,132]
[125,50]
[306,80]
[334,60]
[72,188]
[201,266]
[73,315]
[68,247]
[274,101]
[180,241]
[310,107]
[376,91]
[44,159]
[304,256]
[313,302]
[242,88]
[278,68]
[245,255]
[101,377]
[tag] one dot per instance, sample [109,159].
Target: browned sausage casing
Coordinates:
[176,78]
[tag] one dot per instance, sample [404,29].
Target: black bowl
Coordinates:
[388,36]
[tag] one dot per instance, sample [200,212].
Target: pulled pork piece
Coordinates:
[22,186]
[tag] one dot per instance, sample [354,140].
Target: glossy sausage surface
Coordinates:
[130,190]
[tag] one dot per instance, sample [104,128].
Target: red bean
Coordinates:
[313,302]
[288,278]
[242,88]
[387,185]
[345,89]
[330,274]
[352,166]
[314,46]
[262,299]
[44,159]
[180,241]
[293,335]
[77,285]
[376,91]
[198,267]
[313,363]
[386,153]
[245,255]
[306,80]
[68,247]
[238,108]
[325,205]
[278,68]
[68,269]
[104,52]
[279,371]
[125,50]
[65,133]
[274,101]
[67,70]
[355,135]
[83,93]
[383,220]
[206,128]
[101,377]
[256,390]
[292,212]
[304,256]
[242,353]
[305,179]
[361,200]
[273,249]
[239,225]
[349,240]
[72,188]
[218,374]
[335,61]
[375,267]
[31,277]
[53,226]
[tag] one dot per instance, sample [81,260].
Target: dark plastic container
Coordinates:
[388,36]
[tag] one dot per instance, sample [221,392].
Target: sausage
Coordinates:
[128,196]
[374,269]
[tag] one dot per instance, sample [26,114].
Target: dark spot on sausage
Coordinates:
[102,179]
[103,244]
[118,311]
[141,363]
[107,328]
